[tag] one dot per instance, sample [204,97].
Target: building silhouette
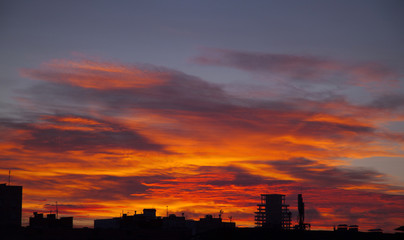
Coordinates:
[209,223]
[273,213]
[149,220]
[300,206]
[10,205]
[50,221]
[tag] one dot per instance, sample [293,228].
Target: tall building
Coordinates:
[273,213]
[10,205]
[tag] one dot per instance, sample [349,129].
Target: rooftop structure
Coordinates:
[300,206]
[148,220]
[345,228]
[273,213]
[50,221]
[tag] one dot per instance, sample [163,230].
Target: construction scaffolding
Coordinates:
[273,213]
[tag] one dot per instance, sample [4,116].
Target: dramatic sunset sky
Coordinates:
[115,106]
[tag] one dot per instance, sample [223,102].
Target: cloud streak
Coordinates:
[75,133]
[308,69]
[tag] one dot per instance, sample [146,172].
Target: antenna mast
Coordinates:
[220,213]
[9,177]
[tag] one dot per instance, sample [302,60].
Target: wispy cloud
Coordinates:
[75,133]
[97,75]
[304,69]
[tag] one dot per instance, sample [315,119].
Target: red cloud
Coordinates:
[107,136]
[97,75]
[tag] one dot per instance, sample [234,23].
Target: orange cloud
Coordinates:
[110,137]
[97,75]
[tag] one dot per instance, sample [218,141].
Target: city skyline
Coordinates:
[108,106]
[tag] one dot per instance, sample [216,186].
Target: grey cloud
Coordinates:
[296,66]
[394,101]
[49,138]
[241,177]
[301,68]
[327,176]
[96,187]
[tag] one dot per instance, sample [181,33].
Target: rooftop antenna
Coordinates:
[167,211]
[9,177]
[220,213]
[57,210]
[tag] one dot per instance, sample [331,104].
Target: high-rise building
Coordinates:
[273,213]
[10,205]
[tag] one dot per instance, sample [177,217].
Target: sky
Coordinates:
[109,107]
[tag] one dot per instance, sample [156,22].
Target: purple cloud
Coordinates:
[301,68]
